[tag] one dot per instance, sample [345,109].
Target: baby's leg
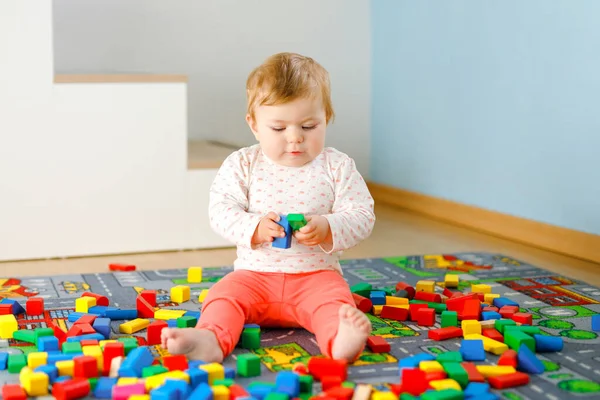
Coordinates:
[325,306]
[230,303]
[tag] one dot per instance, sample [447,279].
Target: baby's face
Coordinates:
[290,134]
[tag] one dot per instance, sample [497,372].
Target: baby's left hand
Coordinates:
[315,232]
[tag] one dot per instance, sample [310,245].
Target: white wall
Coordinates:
[217,43]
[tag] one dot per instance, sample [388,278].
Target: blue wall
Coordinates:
[494,104]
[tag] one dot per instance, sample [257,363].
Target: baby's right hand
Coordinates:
[267,229]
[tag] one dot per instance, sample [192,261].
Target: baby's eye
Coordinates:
[308,128]
[276,129]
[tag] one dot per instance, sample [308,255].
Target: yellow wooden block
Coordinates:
[127,381]
[383,396]
[139,397]
[214,370]
[34,360]
[489,345]
[202,295]
[220,392]
[430,366]
[135,325]
[180,293]
[451,280]
[426,286]
[395,301]
[489,297]
[442,384]
[65,368]
[168,314]
[24,371]
[194,274]
[83,304]
[96,352]
[103,343]
[35,384]
[152,382]
[377,310]
[495,370]
[470,326]
[8,326]
[481,288]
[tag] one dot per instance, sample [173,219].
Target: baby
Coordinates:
[289,171]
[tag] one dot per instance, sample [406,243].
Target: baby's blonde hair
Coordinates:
[285,77]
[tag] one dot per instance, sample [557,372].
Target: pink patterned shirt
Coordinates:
[249,185]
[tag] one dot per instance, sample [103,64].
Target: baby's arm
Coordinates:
[352,216]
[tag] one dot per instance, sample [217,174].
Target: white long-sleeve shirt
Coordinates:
[249,185]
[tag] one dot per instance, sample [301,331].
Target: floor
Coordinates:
[397,232]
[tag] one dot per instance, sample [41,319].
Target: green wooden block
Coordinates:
[445,394]
[449,357]
[93,383]
[40,332]
[186,322]
[349,385]
[514,339]
[223,382]
[438,307]
[362,289]
[456,371]
[500,324]
[259,383]
[277,396]
[25,336]
[407,396]
[248,365]
[16,362]
[306,384]
[71,347]
[296,221]
[528,329]
[250,338]
[128,344]
[153,370]
[449,318]
[305,396]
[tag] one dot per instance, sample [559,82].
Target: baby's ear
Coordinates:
[252,124]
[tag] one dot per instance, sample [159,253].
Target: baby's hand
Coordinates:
[315,232]
[267,229]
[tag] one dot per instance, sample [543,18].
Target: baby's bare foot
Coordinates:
[195,344]
[353,331]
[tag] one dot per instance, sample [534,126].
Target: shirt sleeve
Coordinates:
[228,204]
[352,217]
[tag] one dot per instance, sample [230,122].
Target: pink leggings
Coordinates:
[309,300]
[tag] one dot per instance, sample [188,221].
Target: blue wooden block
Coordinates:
[172,323]
[136,360]
[202,392]
[17,308]
[102,326]
[121,314]
[99,310]
[47,343]
[49,370]
[229,373]
[180,387]
[197,376]
[596,323]
[528,362]
[64,379]
[195,314]
[92,336]
[472,350]
[288,382]
[195,363]
[260,391]
[413,361]
[378,297]
[484,396]
[487,315]
[476,389]
[3,360]
[53,358]
[286,241]
[165,393]
[104,387]
[544,343]
[503,301]
[74,316]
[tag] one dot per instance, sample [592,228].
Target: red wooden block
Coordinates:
[86,329]
[490,308]
[434,376]
[71,389]
[330,381]
[340,393]
[377,344]
[149,296]
[362,303]
[457,303]
[85,367]
[450,293]
[237,391]
[426,296]
[426,317]
[480,296]
[13,392]
[112,350]
[100,300]
[395,313]
[154,331]
[508,311]
[492,333]
[89,342]
[509,357]
[448,332]
[474,374]
[175,363]
[300,369]
[34,306]
[144,308]
[320,367]
[414,310]
[472,309]
[508,380]
[5,309]
[396,388]
[413,381]
[86,319]
[121,267]
[58,333]
[75,330]
[523,318]
[408,288]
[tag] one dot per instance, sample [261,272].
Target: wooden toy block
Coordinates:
[85,367]
[429,297]
[489,371]
[508,311]
[457,303]
[522,318]
[135,362]
[426,317]
[528,362]
[202,295]
[430,366]
[154,332]
[377,310]
[472,309]
[194,275]
[449,357]
[457,372]
[377,297]
[509,380]
[407,288]
[34,360]
[515,338]
[320,367]
[288,383]
[149,296]
[435,376]
[473,372]
[395,313]
[166,315]
[14,392]
[448,332]
[214,370]
[180,293]
[121,267]
[596,323]
[127,391]
[362,303]
[250,338]
[503,301]
[34,306]
[470,326]
[489,308]
[426,286]
[86,319]
[545,343]
[186,322]
[220,392]
[343,393]
[413,381]
[489,297]
[65,368]
[414,309]
[362,289]
[6,309]
[445,384]
[451,280]
[16,306]
[392,300]
[248,365]
[83,304]
[152,382]
[481,288]
[296,221]
[487,315]
[449,318]
[35,383]
[134,326]
[144,308]
[102,326]
[489,345]
[174,363]
[153,370]
[384,396]
[72,389]
[126,381]
[96,352]
[286,241]
[328,382]
[377,344]
[472,350]
[509,357]
[100,300]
